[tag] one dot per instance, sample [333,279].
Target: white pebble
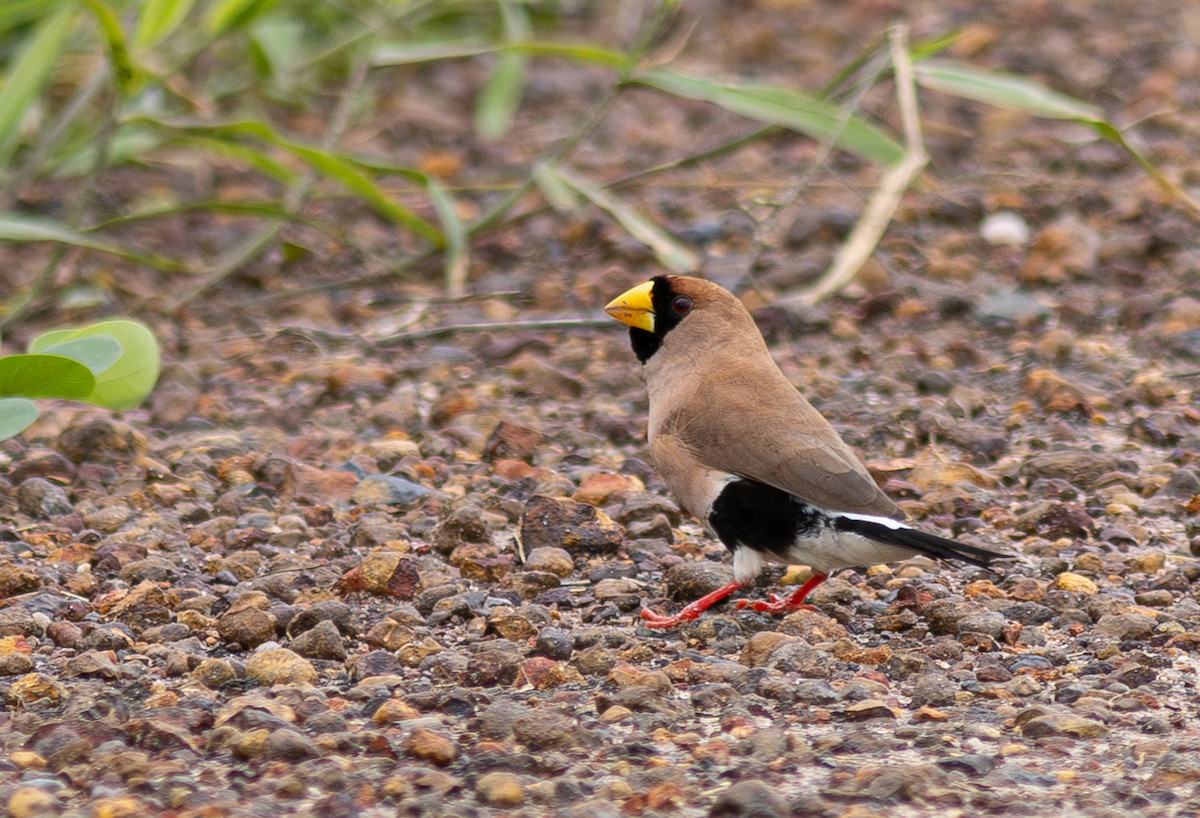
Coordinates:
[1004,227]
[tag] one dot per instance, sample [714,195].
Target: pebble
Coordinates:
[578,528]
[431,745]
[1004,227]
[750,799]
[27,801]
[500,789]
[279,666]
[322,641]
[38,497]
[552,560]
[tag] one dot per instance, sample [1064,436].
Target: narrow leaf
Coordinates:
[457,256]
[411,53]
[128,381]
[97,353]
[226,15]
[44,376]
[15,416]
[807,114]
[501,94]
[404,53]
[1002,90]
[560,195]
[27,228]
[671,253]
[159,18]
[15,13]
[114,36]
[27,73]
[344,170]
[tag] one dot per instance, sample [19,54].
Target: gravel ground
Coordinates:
[330,572]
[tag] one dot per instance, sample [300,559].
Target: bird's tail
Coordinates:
[942,548]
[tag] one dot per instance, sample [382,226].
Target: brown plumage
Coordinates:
[744,452]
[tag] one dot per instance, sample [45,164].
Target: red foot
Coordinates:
[657,620]
[773,605]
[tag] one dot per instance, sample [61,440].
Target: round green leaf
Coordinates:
[45,376]
[15,415]
[97,352]
[131,378]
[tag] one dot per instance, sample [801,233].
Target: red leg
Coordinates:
[690,611]
[794,602]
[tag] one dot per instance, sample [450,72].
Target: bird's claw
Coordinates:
[774,604]
[657,620]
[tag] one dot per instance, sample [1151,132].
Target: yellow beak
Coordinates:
[633,307]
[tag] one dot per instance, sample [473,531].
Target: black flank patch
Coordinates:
[762,517]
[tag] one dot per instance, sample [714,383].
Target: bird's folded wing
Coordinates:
[776,437]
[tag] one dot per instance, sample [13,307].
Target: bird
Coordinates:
[745,453]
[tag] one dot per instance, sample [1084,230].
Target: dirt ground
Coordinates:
[345,564]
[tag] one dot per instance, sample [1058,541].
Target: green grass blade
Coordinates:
[344,170]
[27,73]
[501,94]
[457,255]
[118,49]
[412,53]
[259,160]
[25,228]
[45,376]
[404,53]
[159,19]
[17,13]
[788,107]
[226,15]
[1002,90]
[671,253]
[16,414]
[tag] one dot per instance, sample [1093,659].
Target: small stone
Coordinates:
[545,729]
[38,497]
[1061,724]
[35,690]
[26,801]
[500,789]
[512,441]
[248,626]
[1126,626]
[693,579]
[1075,583]
[933,689]
[280,666]
[213,672]
[761,645]
[431,745]
[550,559]
[553,643]
[576,527]
[1005,227]
[750,799]
[286,744]
[387,489]
[869,709]
[394,710]
[103,440]
[322,641]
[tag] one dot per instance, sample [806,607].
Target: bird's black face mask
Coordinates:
[670,308]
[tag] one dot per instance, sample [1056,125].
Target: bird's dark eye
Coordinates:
[681,305]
